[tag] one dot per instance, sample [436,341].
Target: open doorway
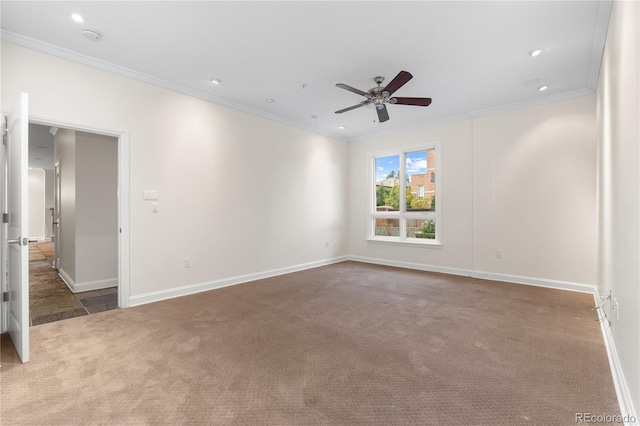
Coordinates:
[73,195]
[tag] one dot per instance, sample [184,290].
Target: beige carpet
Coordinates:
[344,344]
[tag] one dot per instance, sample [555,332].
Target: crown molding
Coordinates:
[604,10]
[599,38]
[532,103]
[61,52]
[478,113]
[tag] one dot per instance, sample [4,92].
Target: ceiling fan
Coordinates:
[379,96]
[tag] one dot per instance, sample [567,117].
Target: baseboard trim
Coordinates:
[514,279]
[39,239]
[411,265]
[95,285]
[86,286]
[627,410]
[66,278]
[157,296]
[537,282]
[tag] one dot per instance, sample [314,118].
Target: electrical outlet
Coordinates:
[187,262]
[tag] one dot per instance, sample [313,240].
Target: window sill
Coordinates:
[408,242]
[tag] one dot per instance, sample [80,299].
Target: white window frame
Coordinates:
[402,214]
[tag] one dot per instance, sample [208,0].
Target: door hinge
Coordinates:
[5,217]
[5,296]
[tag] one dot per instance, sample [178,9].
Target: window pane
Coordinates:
[420,228]
[387,227]
[421,180]
[387,183]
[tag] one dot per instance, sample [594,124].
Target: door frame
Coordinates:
[55,225]
[123,192]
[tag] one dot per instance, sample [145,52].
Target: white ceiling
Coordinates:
[469,57]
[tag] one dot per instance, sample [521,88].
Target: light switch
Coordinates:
[150,194]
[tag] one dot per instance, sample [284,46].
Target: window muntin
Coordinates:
[405,198]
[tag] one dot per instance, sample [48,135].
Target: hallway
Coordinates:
[49,297]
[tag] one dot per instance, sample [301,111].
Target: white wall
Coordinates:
[37,214]
[96,210]
[619,185]
[522,182]
[65,156]
[238,194]
[534,190]
[455,182]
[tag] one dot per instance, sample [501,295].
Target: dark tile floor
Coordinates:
[49,297]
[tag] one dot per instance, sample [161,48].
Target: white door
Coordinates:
[56,216]
[17,229]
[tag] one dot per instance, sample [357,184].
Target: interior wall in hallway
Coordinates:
[96,209]
[37,205]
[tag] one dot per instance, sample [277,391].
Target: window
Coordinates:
[405,202]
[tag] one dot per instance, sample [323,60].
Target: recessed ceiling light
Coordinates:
[543,88]
[215,81]
[535,52]
[314,116]
[42,147]
[341,127]
[77,17]
[92,35]
[269,100]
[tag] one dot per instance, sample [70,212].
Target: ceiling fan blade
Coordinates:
[352,89]
[363,103]
[413,101]
[398,81]
[383,115]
